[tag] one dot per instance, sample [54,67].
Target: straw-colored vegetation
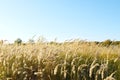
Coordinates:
[77,60]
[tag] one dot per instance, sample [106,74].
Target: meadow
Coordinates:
[75,60]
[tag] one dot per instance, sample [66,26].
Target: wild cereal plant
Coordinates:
[75,60]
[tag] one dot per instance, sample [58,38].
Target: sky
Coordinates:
[93,20]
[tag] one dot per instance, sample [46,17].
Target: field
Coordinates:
[77,60]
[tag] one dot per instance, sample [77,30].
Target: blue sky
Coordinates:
[61,19]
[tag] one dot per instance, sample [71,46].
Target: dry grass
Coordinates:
[66,61]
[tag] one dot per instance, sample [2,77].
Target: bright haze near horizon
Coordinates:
[93,20]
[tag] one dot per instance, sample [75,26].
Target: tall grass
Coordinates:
[75,60]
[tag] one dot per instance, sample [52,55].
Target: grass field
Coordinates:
[75,60]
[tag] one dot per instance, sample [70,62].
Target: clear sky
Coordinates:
[61,19]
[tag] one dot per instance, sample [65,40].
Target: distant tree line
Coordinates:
[108,42]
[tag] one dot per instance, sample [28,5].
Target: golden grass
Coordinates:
[66,61]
